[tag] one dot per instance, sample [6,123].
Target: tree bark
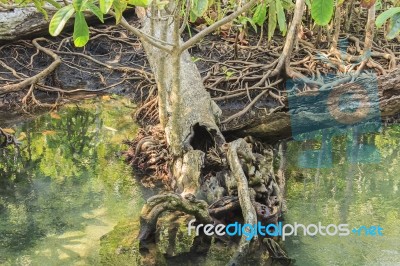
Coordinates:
[22,23]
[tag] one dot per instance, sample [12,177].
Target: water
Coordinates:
[354,194]
[67,185]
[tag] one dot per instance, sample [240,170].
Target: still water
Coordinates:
[67,185]
[347,193]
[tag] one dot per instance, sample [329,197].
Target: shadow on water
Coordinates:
[66,185]
[354,194]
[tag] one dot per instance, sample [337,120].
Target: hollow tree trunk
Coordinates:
[191,105]
[189,116]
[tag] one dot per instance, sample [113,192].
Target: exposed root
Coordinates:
[156,205]
[244,191]
[249,213]
[149,156]
[39,73]
[36,78]
[147,113]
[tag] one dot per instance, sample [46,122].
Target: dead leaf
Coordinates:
[110,128]
[8,130]
[367,3]
[22,136]
[49,133]
[140,12]
[55,115]
[106,97]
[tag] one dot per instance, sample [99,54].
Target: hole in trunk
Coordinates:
[202,139]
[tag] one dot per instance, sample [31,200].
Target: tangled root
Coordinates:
[148,154]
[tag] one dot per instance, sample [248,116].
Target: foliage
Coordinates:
[393,15]
[322,11]
[272,12]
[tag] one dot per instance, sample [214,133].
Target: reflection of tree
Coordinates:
[357,194]
[74,132]
[48,185]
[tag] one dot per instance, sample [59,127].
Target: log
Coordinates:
[20,23]
[28,23]
[276,126]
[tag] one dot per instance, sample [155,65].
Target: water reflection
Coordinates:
[355,194]
[66,186]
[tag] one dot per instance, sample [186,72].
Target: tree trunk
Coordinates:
[190,120]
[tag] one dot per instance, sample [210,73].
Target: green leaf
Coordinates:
[394,27]
[59,19]
[260,14]
[142,3]
[81,30]
[322,11]
[244,20]
[119,8]
[288,4]
[79,5]
[271,20]
[192,16]
[382,18]
[54,3]
[199,7]
[39,6]
[105,5]
[281,17]
[95,10]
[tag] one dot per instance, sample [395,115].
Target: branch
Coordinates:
[186,16]
[143,36]
[195,39]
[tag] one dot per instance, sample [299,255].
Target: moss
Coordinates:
[218,254]
[120,246]
[173,237]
